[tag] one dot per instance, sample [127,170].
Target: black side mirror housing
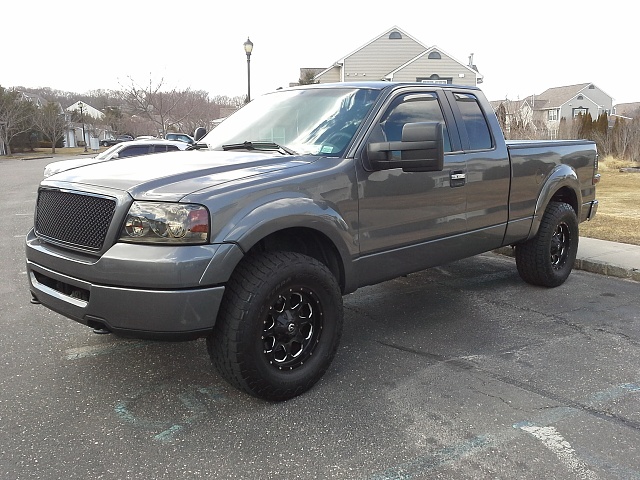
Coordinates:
[421,149]
[199,133]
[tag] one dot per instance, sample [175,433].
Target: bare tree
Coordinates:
[15,118]
[51,121]
[160,107]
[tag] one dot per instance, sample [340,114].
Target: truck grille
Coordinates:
[73,219]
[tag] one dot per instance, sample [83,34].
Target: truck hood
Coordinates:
[173,175]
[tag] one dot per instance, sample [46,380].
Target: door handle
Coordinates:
[458,178]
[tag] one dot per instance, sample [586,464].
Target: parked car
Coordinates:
[107,142]
[181,137]
[121,150]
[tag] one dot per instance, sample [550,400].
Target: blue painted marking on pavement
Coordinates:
[406,471]
[195,406]
[422,464]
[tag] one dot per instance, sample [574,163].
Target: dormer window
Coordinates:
[395,35]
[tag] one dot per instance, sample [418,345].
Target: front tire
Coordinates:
[279,325]
[547,259]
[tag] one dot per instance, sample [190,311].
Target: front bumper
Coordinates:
[175,297]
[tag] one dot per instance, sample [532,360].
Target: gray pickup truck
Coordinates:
[251,238]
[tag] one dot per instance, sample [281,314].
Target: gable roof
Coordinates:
[556,97]
[386,32]
[627,109]
[427,52]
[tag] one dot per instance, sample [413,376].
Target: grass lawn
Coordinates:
[618,217]
[46,152]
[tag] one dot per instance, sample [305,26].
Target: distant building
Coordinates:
[395,55]
[554,104]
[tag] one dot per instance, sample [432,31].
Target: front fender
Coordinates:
[288,210]
[562,181]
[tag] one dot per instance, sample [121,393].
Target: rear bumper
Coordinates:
[589,210]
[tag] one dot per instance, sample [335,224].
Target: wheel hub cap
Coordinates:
[292,328]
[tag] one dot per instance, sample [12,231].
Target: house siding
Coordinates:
[445,67]
[377,59]
[586,102]
[330,76]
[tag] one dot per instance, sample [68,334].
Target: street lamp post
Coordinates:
[84,138]
[248,48]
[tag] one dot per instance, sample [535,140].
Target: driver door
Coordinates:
[409,221]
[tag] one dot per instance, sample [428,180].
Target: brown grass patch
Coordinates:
[618,217]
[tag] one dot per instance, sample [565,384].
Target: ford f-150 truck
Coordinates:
[251,238]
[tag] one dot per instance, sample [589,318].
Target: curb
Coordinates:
[591,266]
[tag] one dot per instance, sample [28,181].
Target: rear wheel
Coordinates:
[279,325]
[547,259]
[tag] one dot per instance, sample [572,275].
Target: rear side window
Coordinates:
[474,122]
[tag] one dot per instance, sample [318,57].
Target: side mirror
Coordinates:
[421,149]
[199,133]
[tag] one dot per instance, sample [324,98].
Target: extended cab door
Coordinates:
[488,170]
[410,220]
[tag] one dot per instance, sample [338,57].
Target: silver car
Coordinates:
[121,150]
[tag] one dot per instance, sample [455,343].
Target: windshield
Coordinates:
[108,152]
[318,121]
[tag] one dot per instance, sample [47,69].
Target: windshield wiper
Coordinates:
[197,146]
[258,146]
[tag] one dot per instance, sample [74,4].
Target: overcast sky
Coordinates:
[521,48]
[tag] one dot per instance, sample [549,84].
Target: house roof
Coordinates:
[395,28]
[385,33]
[510,105]
[557,96]
[427,52]
[627,109]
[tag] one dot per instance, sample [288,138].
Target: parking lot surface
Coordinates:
[462,371]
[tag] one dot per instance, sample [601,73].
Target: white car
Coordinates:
[121,150]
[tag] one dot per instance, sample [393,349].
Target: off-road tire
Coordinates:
[279,325]
[547,259]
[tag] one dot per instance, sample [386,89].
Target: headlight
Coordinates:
[167,223]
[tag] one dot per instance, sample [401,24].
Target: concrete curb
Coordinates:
[589,265]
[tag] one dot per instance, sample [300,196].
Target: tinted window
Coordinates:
[474,122]
[411,108]
[134,150]
[171,148]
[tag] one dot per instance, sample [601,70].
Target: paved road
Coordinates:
[462,371]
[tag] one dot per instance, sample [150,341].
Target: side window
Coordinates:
[133,151]
[474,122]
[411,108]
[171,148]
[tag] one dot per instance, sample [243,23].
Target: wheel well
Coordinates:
[566,195]
[307,242]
